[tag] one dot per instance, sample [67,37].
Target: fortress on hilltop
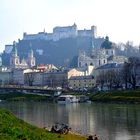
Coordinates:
[61,33]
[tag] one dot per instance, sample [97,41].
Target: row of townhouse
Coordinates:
[74,78]
[51,78]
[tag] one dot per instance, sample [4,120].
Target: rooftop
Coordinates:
[81,77]
[111,65]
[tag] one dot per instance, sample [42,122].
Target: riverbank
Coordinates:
[126,96]
[23,97]
[122,96]
[12,128]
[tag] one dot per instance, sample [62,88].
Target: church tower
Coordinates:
[0,61]
[31,58]
[94,31]
[14,60]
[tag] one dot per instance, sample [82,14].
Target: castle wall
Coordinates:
[42,36]
[60,33]
[64,32]
[84,32]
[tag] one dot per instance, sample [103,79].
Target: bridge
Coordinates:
[28,89]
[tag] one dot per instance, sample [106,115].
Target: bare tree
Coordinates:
[131,71]
[128,49]
[125,74]
[117,79]
[112,78]
[101,79]
[133,63]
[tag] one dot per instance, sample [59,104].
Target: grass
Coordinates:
[74,137]
[22,97]
[131,96]
[12,128]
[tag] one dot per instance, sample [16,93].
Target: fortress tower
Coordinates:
[94,31]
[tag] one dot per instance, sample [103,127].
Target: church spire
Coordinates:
[30,50]
[31,58]
[0,60]
[14,50]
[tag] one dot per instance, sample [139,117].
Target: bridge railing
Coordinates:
[27,87]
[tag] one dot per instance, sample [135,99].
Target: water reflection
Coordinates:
[109,121]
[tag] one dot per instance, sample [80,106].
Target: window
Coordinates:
[99,62]
[112,52]
[16,61]
[79,64]
[107,52]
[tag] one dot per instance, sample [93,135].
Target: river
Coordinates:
[108,121]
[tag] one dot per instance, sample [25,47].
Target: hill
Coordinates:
[61,53]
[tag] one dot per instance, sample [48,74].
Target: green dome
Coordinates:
[106,44]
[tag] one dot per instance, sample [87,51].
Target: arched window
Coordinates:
[107,52]
[112,52]
[99,62]
[79,64]
[91,64]
[16,61]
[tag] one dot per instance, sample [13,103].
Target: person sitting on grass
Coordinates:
[90,138]
[95,137]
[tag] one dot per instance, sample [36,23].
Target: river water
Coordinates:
[108,121]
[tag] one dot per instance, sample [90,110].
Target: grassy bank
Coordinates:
[127,96]
[23,97]
[12,128]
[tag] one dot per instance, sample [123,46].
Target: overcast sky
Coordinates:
[119,19]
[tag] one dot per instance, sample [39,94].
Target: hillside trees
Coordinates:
[128,75]
[101,79]
[131,71]
[110,78]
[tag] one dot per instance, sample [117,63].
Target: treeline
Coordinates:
[125,76]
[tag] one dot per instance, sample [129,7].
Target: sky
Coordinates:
[119,19]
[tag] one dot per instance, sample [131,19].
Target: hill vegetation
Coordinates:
[60,53]
[23,97]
